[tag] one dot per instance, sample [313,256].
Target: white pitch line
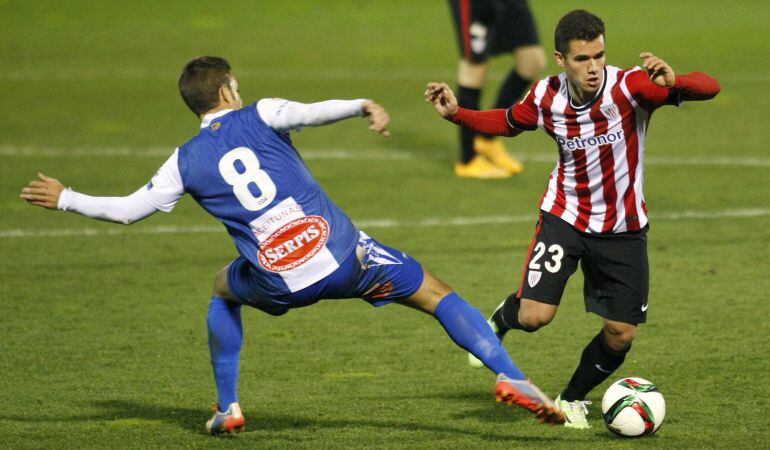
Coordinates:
[375,155]
[369,223]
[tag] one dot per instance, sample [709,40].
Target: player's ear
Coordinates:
[559,58]
[225,94]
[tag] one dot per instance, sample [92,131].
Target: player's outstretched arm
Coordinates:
[691,86]
[50,193]
[284,115]
[492,121]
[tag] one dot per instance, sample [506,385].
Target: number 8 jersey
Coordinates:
[250,177]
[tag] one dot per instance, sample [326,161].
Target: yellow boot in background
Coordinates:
[480,168]
[494,150]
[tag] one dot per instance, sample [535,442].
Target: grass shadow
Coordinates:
[260,421]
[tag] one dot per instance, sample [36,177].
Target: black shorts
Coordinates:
[615,268]
[489,27]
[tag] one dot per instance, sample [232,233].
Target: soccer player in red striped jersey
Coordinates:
[593,209]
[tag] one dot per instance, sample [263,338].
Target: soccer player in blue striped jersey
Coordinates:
[295,245]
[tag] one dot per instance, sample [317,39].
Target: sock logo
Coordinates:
[600,369]
[534,277]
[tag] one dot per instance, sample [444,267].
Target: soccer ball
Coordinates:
[633,407]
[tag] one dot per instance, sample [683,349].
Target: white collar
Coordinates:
[209,117]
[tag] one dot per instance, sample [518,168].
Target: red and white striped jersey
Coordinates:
[597,183]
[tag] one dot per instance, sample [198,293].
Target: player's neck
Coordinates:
[218,108]
[580,97]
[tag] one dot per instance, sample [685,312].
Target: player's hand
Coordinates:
[44,192]
[442,97]
[659,72]
[378,117]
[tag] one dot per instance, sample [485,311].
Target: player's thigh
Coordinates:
[617,278]
[473,22]
[552,258]
[243,286]
[534,314]
[388,274]
[513,27]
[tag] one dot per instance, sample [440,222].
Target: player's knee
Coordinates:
[472,75]
[530,62]
[220,288]
[430,293]
[619,336]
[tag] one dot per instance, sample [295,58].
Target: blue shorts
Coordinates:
[374,272]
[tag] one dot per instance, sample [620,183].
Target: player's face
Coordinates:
[584,66]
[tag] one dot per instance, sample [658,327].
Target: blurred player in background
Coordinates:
[488,28]
[593,210]
[296,246]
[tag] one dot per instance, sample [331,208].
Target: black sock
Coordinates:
[597,363]
[507,316]
[511,90]
[467,98]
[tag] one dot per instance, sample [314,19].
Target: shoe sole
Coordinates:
[505,393]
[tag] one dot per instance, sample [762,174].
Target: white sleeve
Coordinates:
[284,115]
[162,193]
[165,188]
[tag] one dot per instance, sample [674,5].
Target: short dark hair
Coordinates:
[200,81]
[578,24]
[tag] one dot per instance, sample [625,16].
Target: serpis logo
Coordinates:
[293,244]
[583,143]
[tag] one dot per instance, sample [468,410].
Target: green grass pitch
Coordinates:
[102,330]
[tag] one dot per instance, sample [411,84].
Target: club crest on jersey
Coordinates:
[611,112]
[293,244]
[534,277]
[583,143]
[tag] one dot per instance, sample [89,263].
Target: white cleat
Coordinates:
[574,413]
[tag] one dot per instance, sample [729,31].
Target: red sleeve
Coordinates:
[696,86]
[492,121]
[691,86]
[648,94]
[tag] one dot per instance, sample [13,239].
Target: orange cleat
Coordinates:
[525,394]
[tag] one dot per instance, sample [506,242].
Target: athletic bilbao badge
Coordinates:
[534,277]
[611,112]
[294,244]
